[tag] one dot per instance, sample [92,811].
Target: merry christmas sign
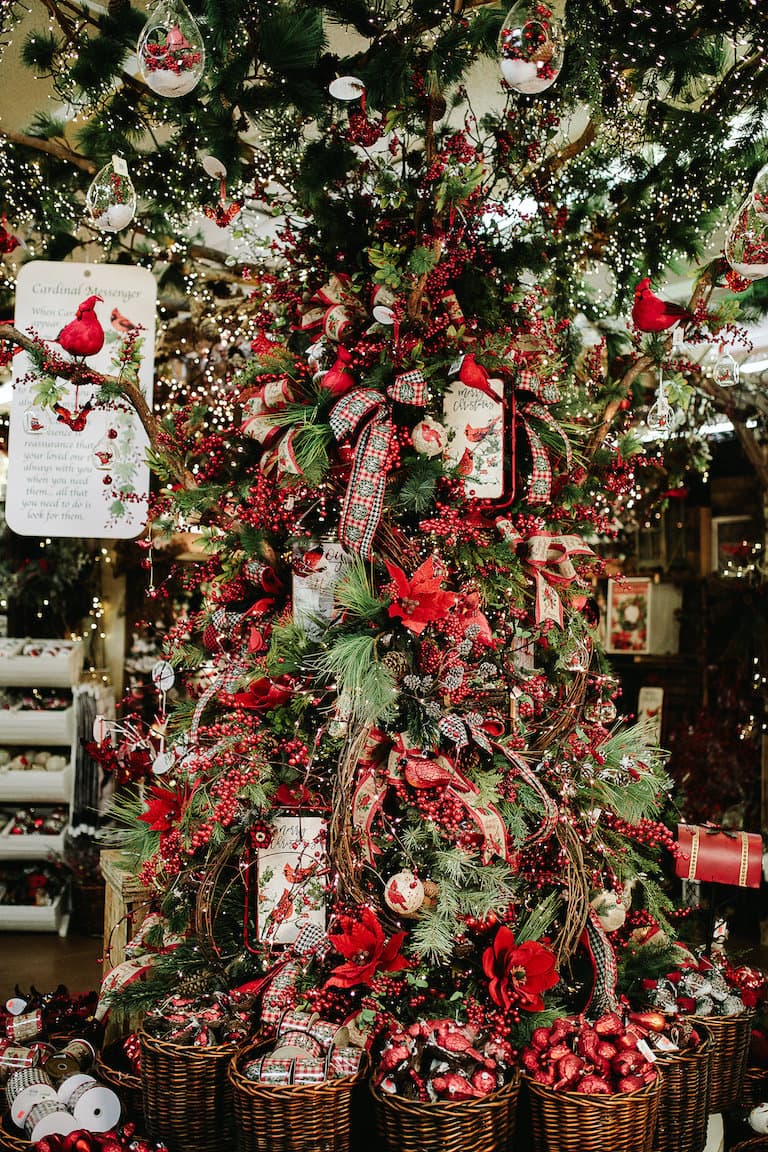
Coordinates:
[79,468]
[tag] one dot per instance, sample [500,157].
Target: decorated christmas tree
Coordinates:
[391,786]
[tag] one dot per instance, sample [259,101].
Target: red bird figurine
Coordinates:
[652,314]
[83,336]
[475,376]
[74,420]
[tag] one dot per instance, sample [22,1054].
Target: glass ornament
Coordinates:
[578,657]
[110,202]
[746,248]
[104,451]
[661,416]
[726,371]
[531,44]
[171,51]
[760,194]
[35,420]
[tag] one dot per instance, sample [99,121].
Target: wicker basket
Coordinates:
[291,1117]
[755,1085]
[730,1048]
[112,1067]
[11,1137]
[572,1122]
[683,1107]
[756,1144]
[484,1125]
[186,1096]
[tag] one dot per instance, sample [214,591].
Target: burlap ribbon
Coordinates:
[363,416]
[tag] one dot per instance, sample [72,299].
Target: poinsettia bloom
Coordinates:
[264,694]
[367,950]
[518,973]
[164,808]
[419,599]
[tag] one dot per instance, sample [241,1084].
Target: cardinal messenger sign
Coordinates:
[79,468]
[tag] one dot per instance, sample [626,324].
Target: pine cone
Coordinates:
[396,663]
[194,985]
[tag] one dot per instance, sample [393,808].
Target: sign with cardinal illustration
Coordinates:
[476,446]
[77,467]
[292,877]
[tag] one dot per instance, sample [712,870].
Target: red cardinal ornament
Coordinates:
[83,336]
[74,420]
[337,380]
[652,314]
[475,376]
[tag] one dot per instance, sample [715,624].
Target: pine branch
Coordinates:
[51,148]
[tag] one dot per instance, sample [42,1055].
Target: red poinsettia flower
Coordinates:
[419,599]
[518,973]
[264,694]
[164,808]
[367,950]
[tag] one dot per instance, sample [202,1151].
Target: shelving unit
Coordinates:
[32,728]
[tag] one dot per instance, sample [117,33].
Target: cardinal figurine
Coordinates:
[475,376]
[652,314]
[75,420]
[83,336]
[338,380]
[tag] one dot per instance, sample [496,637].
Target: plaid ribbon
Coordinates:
[540,479]
[364,413]
[549,563]
[551,810]
[600,951]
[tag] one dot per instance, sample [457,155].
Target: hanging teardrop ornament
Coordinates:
[660,418]
[760,194]
[531,44]
[171,51]
[35,420]
[746,248]
[110,202]
[104,452]
[726,371]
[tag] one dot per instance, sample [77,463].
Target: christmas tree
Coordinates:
[394,719]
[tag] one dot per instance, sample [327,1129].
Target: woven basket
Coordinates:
[484,1125]
[186,1096]
[112,1067]
[756,1144]
[730,1048]
[755,1085]
[291,1117]
[11,1137]
[572,1122]
[683,1107]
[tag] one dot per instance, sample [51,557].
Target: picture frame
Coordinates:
[733,538]
[291,874]
[629,616]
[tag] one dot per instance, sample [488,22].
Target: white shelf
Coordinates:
[60,671]
[29,918]
[37,727]
[33,846]
[36,786]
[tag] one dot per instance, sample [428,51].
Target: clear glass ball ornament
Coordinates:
[760,194]
[726,371]
[531,45]
[171,51]
[746,248]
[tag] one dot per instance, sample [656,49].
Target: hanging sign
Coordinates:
[78,468]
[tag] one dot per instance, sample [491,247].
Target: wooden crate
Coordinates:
[126,903]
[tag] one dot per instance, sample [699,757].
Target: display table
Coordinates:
[126,904]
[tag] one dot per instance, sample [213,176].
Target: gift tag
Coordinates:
[101,729]
[119,166]
[214,167]
[456,366]
[163,676]
[162,763]
[383,315]
[15,1005]
[645,1049]
[346,88]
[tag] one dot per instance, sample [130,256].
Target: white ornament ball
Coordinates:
[404,893]
[429,437]
[758,1119]
[610,911]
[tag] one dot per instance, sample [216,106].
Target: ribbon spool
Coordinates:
[25,1089]
[94,1107]
[75,1057]
[25,1027]
[49,1118]
[13,1058]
